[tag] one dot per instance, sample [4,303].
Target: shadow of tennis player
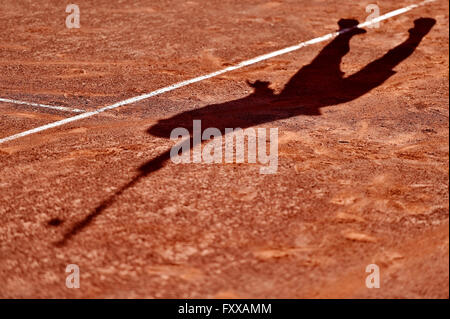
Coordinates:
[317,85]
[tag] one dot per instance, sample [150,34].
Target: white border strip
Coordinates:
[214,74]
[53,107]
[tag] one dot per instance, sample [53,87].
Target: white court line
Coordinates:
[53,107]
[214,74]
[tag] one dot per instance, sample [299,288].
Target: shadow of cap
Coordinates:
[258,84]
[261,87]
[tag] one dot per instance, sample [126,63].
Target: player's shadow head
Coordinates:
[319,84]
[261,88]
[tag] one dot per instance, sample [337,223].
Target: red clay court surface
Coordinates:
[363,159]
